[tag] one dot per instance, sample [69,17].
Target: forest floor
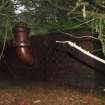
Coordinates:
[47,94]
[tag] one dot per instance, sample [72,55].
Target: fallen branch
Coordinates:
[83,51]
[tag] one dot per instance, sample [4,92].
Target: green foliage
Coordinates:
[44,16]
[93,13]
[44,29]
[6,16]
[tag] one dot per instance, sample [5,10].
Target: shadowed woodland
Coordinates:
[57,69]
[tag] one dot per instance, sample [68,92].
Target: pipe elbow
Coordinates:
[25,55]
[22,44]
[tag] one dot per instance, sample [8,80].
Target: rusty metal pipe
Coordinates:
[22,43]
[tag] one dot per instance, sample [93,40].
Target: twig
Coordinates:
[94,51]
[4,43]
[86,22]
[3,5]
[78,36]
[57,6]
[102,6]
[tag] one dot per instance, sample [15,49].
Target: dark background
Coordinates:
[53,62]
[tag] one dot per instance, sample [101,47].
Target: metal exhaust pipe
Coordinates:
[22,43]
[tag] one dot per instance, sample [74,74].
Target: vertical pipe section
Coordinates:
[22,43]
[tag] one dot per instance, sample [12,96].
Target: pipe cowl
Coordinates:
[22,43]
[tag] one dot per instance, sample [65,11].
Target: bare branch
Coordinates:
[70,43]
